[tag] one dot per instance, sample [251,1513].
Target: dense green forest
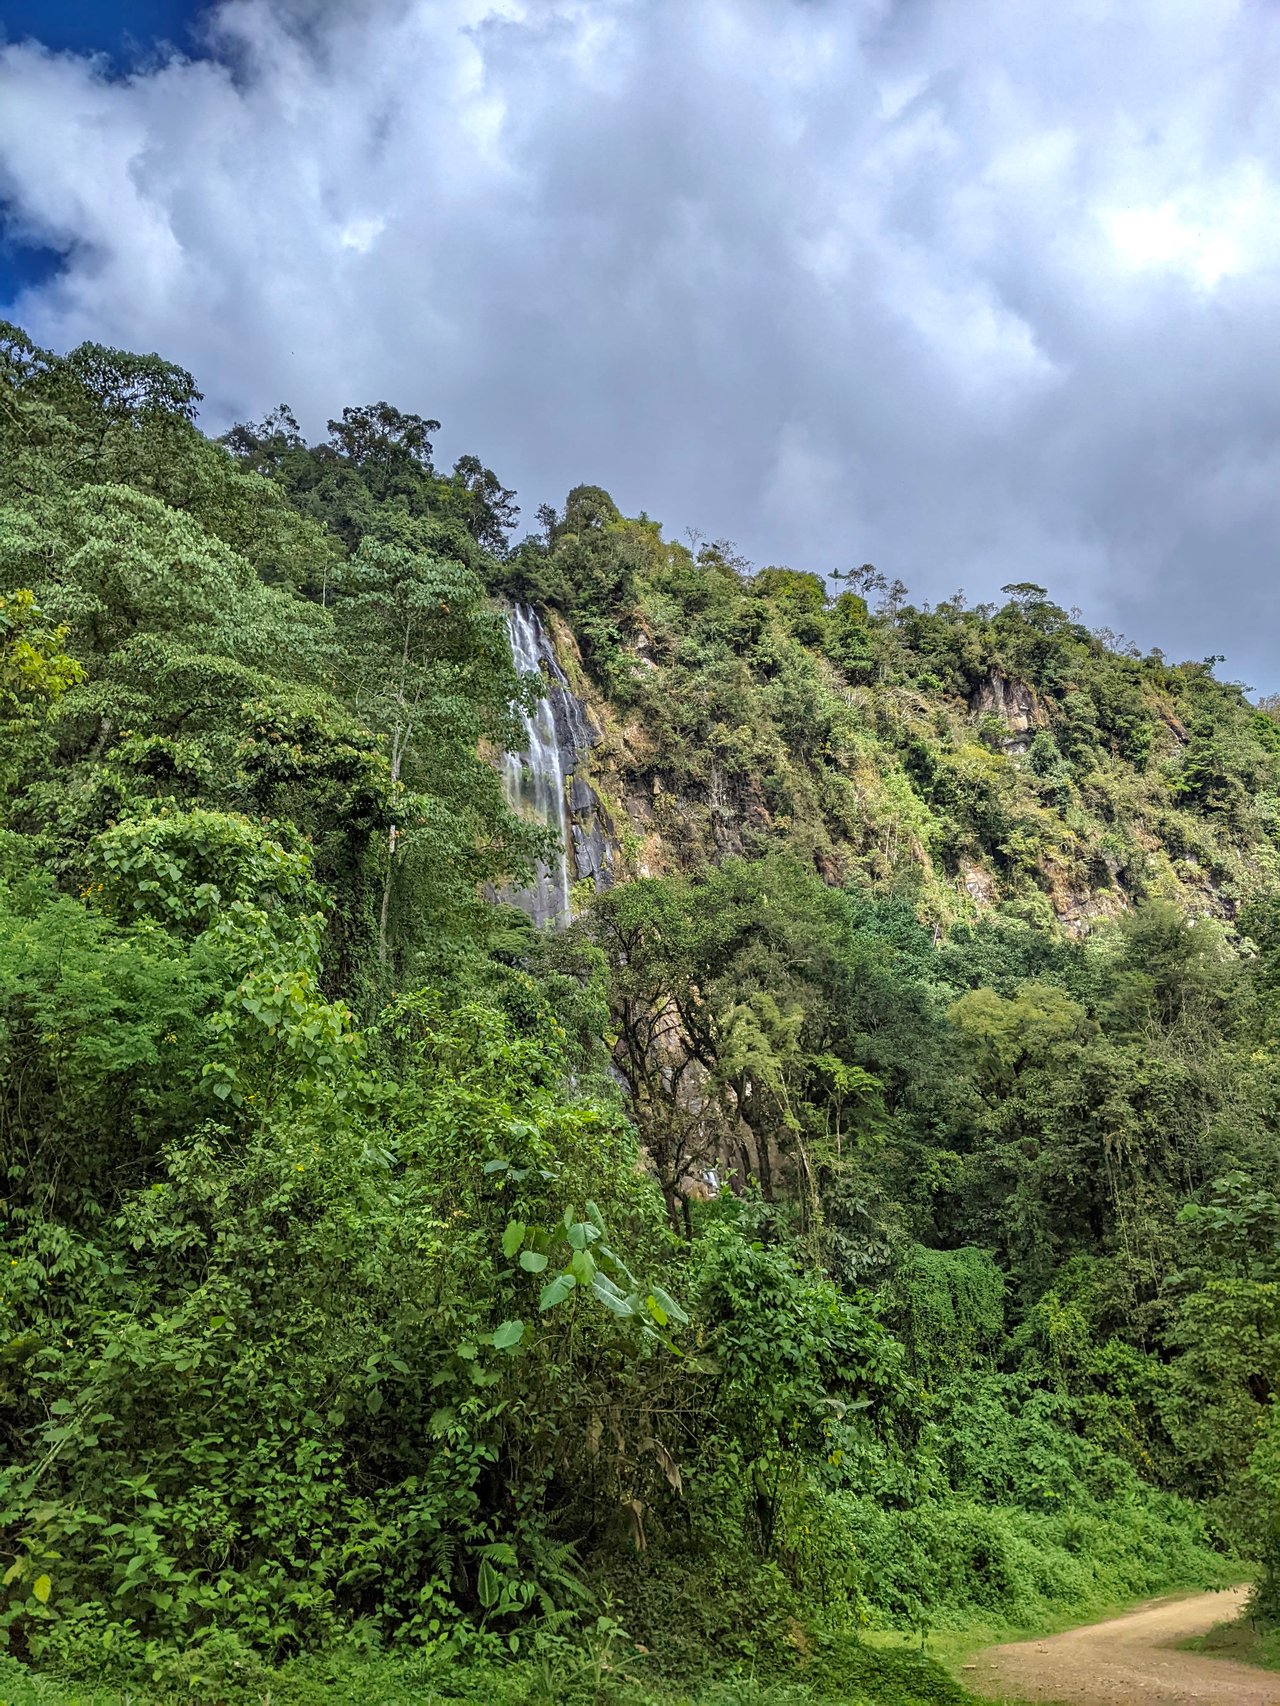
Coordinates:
[860,1217]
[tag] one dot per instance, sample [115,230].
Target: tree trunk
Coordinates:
[386,897]
[397,758]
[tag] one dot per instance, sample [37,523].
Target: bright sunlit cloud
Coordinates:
[1221,240]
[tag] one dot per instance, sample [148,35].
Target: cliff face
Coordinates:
[973,759]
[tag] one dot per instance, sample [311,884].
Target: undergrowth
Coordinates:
[844,1671]
[943,1564]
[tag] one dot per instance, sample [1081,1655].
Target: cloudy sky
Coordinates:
[977,290]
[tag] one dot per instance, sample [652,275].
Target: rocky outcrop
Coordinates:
[1014,704]
[591,843]
[978,884]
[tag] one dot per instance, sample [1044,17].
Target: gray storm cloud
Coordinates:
[979,293]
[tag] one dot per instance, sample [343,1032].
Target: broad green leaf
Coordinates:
[532,1261]
[42,1587]
[373,1401]
[613,1300]
[656,1310]
[669,1305]
[513,1237]
[488,1584]
[508,1335]
[605,1254]
[583,1267]
[556,1290]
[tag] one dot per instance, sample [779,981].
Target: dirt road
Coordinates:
[1129,1661]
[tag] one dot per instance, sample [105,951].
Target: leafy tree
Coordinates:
[34,673]
[436,677]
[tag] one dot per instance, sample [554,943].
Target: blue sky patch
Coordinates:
[128,33]
[23,265]
[125,30]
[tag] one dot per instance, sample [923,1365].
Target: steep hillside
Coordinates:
[968,758]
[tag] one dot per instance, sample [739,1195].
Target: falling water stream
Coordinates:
[535,780]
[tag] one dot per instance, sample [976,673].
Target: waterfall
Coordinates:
[534,780]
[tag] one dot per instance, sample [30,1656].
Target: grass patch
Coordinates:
[1245,1640]
[844,1673]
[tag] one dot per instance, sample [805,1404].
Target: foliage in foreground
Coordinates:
[597,1670]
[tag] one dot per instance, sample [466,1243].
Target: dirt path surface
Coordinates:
[1129,1661]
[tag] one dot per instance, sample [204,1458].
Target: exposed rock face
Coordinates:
[1085,908]
[979,884]
[1014,704]
[590,846]
[1175,728]
[544,781]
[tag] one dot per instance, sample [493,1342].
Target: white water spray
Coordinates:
[534,780]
